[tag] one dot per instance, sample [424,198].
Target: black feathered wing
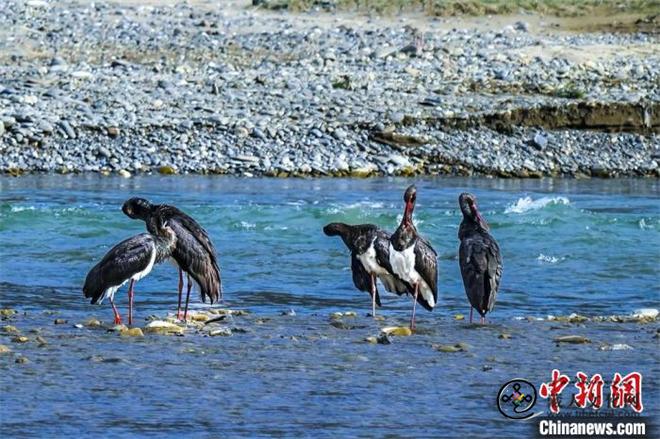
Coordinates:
[194,252]
[123,261]
[481,269]
[426,264]
[361,278]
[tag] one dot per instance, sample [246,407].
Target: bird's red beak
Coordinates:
[482,222]
[407,213]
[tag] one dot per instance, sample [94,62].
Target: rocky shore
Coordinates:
[115,87]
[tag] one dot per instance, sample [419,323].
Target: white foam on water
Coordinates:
[549,259]
[526,204]
[22,208]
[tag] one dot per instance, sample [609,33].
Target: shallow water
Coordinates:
[589,247]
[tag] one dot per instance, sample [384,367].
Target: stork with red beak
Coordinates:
[479,258]
[413,259]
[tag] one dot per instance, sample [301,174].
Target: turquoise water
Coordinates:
[583,246]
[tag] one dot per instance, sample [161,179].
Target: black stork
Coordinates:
[130,260]
[413,259]
[479,258]
[370,259]
[194,252]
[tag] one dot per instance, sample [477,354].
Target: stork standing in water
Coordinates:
[413,259]
[130,260]
[370,259]
[193,254]
[479,258]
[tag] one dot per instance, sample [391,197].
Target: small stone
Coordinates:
[486,367]
[60,321]
[336,315]
[22,360]
[132,332]
[447,348]
[521,26]
[399,331]
[82,75]
[163,327]
[113,131]
[384,339]
[459,317]
[4,349]
[220,332]
[167,170]
[645,314]
[78,326]
[504,336]
[290,313]
[124,173]
[92,323]
[41,341]
[574,339]
[199,317]
[540,141]
[350,314]
[20,339]
[9,329]
[371,339]
[6,312]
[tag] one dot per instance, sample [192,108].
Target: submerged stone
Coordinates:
[41,341]
[220,332]
[60,321]
[22,360]
[20,339]
[4,349]
[504,336]
[574,339]
[6,312]
[199,317]
[449,348]
[132,332]
[371,339]
[459,317]
[9,329]
[163,327]
[92,323]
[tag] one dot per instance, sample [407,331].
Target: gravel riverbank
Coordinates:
[201,88]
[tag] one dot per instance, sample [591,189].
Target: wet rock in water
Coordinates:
[229,312]
[199,317]
[350,314]
[9,329]
[60,321]
[371,339]
[6,312]
[167,170]
[163,327]
[132,332]
[124,173]
[384,339]
[20,339]
[504,336]
[459,317]
[336,315]
[343,325]
[486,367]
[41,341]
[22,360]
[117,328]
[78,326]
[398,331]
[4,349]
[220,332]
[458,347]
[615,347]
[290,313]
[574,339]
[92,323]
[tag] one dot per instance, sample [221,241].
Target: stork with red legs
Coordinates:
[128,261]
[413,259]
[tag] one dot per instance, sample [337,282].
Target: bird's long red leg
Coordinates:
[470,314]
[373,295]
[178,308]
[114,310]
[185,314]
[130,302]
[412,320]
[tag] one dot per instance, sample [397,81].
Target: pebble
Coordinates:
[573,339]
[221,332]
[22,360]
[163,327]
[4,349]
[20,339]
[131,332]
[398,331]
[60,321]
[9,329]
